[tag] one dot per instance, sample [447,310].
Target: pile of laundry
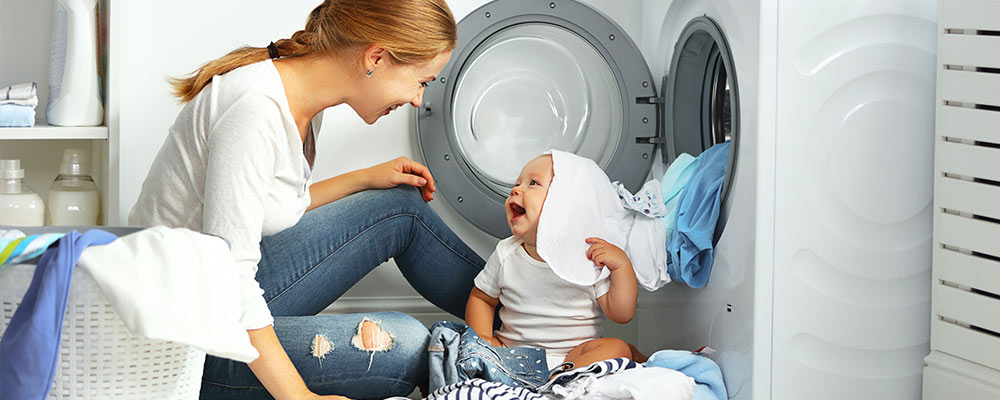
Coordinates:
[667,229]
[135,273]
[17,105]
[668,375]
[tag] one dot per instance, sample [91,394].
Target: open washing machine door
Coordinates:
[528,76]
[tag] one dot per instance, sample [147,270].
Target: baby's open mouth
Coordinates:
[516,210]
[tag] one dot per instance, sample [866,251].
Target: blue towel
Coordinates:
[707,375]
[689,251]
[16,115]
[674,180]
[29,351]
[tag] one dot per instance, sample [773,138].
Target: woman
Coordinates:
[237,164]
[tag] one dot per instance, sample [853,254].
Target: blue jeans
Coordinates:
[306,267]
[457,353]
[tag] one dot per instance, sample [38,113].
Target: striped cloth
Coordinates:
[480,389]
[559,388]
[17,250]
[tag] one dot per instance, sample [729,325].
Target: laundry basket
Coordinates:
[99,358]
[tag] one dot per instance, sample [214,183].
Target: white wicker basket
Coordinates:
[99,358]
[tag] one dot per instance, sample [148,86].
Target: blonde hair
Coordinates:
[411,31]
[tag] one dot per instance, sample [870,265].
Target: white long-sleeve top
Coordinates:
[232,166]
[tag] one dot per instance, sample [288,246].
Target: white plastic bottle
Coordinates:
[73,198]
[18,204]
[74,83]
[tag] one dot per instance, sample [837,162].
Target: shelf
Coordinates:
[43,131]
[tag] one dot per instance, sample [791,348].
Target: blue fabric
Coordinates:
[689,250]
[707,375]
[309,265]
[674,180]
[16,115]
[457,353]
[29,350]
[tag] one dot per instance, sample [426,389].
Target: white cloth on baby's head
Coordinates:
[582,203]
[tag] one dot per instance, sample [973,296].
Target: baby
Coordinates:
[540,309]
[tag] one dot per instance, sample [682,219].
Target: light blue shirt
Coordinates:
[689,250]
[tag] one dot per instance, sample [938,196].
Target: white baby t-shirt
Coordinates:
[540,309]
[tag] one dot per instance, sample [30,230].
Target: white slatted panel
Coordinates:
[967,86]
[965,306]
[969,14]
[965,321]
[975,50]
[968,123]
[968,160]
[967,270]
[966,343]
[972,197]
[967,233]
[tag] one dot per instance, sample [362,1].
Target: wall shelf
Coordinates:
[43,131]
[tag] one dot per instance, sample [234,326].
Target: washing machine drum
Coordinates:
[529,76]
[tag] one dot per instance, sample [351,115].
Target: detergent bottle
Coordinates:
[74,81]
[73,198]
[19,205]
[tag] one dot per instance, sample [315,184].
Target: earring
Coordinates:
[369,73]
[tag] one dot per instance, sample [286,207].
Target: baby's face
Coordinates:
[524,204]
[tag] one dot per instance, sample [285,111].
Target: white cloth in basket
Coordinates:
[174,284]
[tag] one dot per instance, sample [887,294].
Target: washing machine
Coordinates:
[820,285]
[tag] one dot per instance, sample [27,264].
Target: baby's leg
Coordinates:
[598,350]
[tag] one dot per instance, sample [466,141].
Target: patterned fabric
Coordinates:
[648,200]
[559,388]
[564,386]
[18,250]
[479,389]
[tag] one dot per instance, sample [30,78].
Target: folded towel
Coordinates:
[32,102]
[16,115]
[14,250]
[24,91]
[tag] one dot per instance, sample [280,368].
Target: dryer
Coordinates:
[820,285]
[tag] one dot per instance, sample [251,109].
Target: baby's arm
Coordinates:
[619,303]
[479,313]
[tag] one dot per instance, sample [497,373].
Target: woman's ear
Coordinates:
[373,56]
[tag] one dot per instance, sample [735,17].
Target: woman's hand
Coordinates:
[605,254]
[401,171]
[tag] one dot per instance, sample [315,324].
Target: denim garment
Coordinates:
[306,267]
[457,353]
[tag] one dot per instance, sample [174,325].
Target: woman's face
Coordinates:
[394,85]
